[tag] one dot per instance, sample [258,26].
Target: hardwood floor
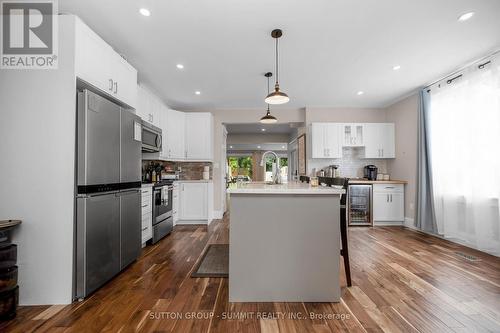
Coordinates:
[403,281]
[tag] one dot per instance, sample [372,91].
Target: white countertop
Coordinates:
[145,185]
[194,181]
[287,188]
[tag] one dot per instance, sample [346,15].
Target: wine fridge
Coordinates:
[360,205]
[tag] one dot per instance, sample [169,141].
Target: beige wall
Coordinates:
[404,166]
[345,115]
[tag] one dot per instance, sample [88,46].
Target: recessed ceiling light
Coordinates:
[397,67]
[465,17]
[283,147]
[258,147]
[180,66]
[360,93]
[197,92]
[263,129]
[231,147]
[145,12]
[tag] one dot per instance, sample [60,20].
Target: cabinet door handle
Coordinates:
[144,205]
[116,87]
[110,84]
[387,198]
[391,197]
[382,155]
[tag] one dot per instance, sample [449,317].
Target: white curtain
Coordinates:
[464,136]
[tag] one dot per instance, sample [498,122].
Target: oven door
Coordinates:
[151,138]
[162,198]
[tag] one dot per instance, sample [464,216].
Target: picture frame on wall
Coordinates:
[301,154]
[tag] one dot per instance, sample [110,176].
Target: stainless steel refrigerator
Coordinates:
[108,198]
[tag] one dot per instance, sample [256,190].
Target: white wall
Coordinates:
[405,117]
[37,154]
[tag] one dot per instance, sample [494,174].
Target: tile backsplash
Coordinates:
[350,165]
[188,170]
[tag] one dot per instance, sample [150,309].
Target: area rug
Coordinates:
[214,262]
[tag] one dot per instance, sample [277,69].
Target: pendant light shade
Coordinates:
[268,118]
[277,96]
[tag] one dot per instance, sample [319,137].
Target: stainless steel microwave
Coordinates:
[151,138]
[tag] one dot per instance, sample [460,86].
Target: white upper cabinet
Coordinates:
[199,136]
[352,135]
[325,140]
[149,107]
[99,65]
[174,132]
[379,140]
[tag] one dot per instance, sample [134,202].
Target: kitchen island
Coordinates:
[284,243]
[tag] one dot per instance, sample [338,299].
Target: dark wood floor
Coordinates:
[403,281]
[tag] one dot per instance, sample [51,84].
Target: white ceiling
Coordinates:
[256,128]
[330,48]
[249,147]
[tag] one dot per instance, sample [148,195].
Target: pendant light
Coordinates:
[277,96]
[268,118]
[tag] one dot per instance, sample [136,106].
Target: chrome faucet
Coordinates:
[277,171]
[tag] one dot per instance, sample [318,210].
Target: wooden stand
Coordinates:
[9,291]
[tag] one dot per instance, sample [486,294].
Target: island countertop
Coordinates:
[286,188]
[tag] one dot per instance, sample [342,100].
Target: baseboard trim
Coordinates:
[218,214]
[389,224]
[193,222]
[409,223]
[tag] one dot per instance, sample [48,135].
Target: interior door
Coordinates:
[131,222]
[98,140]
[130,136]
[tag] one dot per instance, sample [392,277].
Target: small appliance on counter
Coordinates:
[370,172]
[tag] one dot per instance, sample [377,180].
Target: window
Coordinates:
[464,137]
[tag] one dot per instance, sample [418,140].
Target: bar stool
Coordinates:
[344,251]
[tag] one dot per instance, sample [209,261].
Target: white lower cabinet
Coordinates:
[195,202]
[388,203]
[175,203]
[147,213]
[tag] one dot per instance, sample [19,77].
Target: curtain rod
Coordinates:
[463,68]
